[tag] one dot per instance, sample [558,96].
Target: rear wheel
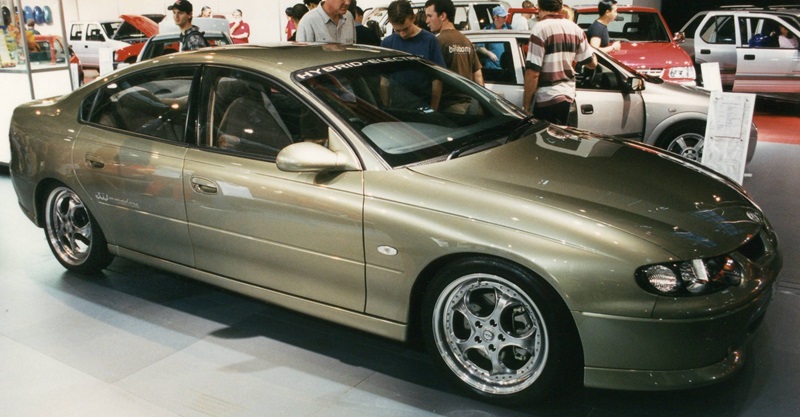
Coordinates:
[498,331]
[686,140]
[72,233]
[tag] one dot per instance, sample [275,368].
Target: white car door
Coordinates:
[508,79]
[768,69]
[603,106]
[77,33]
[716,41]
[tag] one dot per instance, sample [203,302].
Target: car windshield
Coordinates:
[110,28]
[412,111]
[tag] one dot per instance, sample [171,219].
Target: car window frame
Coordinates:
[205,138]
[89,104]
[712,27]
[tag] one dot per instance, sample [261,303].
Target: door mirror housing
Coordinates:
[634,84]
[311,156]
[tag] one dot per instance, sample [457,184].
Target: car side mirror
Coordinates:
[313,157]
[679,37]
[634,84]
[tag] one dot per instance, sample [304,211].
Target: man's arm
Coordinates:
[531,85]
[595,41]
[477,76]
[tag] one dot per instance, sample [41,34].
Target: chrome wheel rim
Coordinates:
[688,145]
[69,228]
[490,334]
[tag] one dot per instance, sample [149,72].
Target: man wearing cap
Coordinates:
[555,44]
[494,50]
[331,22]
[191,37]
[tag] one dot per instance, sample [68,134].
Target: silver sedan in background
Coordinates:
[614,99]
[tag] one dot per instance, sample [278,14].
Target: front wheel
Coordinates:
[686,140]
[498,331]
[72,233]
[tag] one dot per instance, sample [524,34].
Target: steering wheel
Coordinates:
[590,76]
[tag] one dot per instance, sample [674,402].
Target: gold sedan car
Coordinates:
[376,190]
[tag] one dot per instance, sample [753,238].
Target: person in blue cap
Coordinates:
[493,51]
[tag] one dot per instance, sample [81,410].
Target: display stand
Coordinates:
[20,79]
[730,116]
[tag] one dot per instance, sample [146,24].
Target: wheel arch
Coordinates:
[421,285]
[40,198]
[673,122]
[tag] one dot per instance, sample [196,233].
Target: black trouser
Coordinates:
[557,113]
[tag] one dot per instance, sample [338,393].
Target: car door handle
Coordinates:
[203,185]
[94,161]
[749,57]
[587,109]
[705,51]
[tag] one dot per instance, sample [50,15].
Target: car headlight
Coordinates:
[682,72]
[695,277]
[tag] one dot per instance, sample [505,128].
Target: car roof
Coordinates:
[277,58]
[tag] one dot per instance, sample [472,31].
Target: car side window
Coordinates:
[94,33]
[498,62]
[719,30]
[76,32]
[154,103]
[248,114]
[759,32]
[691,28]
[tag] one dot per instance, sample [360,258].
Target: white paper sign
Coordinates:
[730,116]
[712,80]
[106,57]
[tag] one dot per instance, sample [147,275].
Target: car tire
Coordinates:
[686,139]
[500,332]
[73,234]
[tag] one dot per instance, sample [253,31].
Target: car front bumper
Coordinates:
[651,354]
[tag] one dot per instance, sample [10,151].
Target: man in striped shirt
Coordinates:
[555,45]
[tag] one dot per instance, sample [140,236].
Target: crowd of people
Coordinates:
[556,44]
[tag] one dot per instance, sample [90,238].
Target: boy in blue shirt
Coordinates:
[408,37]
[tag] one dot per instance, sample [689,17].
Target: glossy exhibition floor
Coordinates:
[142,343]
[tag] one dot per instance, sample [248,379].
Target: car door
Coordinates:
[129,156]
[603,106]
[94,38]
[296,233]
[716,40]
[507,76]
[765,67]
[77,39]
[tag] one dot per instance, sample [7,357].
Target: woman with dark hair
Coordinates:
[296,13]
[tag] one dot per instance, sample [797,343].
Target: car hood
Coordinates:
[148,27]
[671,202]
[643,55]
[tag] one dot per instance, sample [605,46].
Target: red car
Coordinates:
[147,26]
[51,51]
[647,43]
